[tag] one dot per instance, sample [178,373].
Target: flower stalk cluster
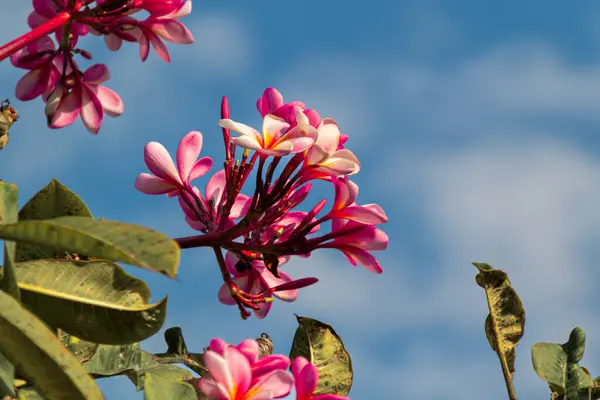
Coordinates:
[48,52]
[261,232]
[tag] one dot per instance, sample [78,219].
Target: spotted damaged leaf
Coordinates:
[505,324]
[322,346]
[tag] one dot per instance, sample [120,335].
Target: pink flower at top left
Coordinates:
[48,52]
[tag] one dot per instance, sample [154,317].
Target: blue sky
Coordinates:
[476,127]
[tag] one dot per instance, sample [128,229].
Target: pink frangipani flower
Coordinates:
[84,96]
[167,27]
[324,155]
[356,241]
[232,378]
[345,207]
[170,179]
[277,138]
[206,217]
[44,65]
[306,377]
[271,102]
[254,279]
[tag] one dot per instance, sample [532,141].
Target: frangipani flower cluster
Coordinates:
[53,73]
[261,231]
[238,374]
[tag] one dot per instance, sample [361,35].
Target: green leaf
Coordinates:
[40,357]
[159,386]
[505,324]
[114,360]
[111,240]
[131,361]
[29,394]
[81,349]
[96,301]
[8,215]
[559,366]
[322,346]
[7,377]
[54,200]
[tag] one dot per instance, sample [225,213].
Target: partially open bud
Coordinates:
[159,8]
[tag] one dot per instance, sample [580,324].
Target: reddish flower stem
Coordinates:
[12,47]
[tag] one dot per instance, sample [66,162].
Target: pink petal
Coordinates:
[268,364]
[187,153]
[160,47]
[68,110]
[32,84]
[369,238]
[150,184]
[144,46]
[273,129]
[45,8]
[212,389]
[195,225]
[219,346]
[159,162]
[313,117]
[271,281]
[289,112]
[277,384]
[371,215]
[215,187]
[184,10]
[113,42]
[173,31]
[247,142]
[297,365]
[111,101]
[345,193]
[96,74]
[329,135]
[316,155]
[269,101]
[242,129]
[240,206]
[263,311]
[239,370]
[201,167]
[306,380]
[35,19]
[250,349]
[231,259]
[301,137]
[362,257]
[92,112]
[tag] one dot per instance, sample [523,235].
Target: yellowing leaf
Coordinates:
[322,346]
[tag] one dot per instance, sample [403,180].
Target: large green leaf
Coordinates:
[8,215]
[96,301]
[322,346]
[164,384]
[559,366]
[54,200]
[40,357]
[111,240]
[505,324]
